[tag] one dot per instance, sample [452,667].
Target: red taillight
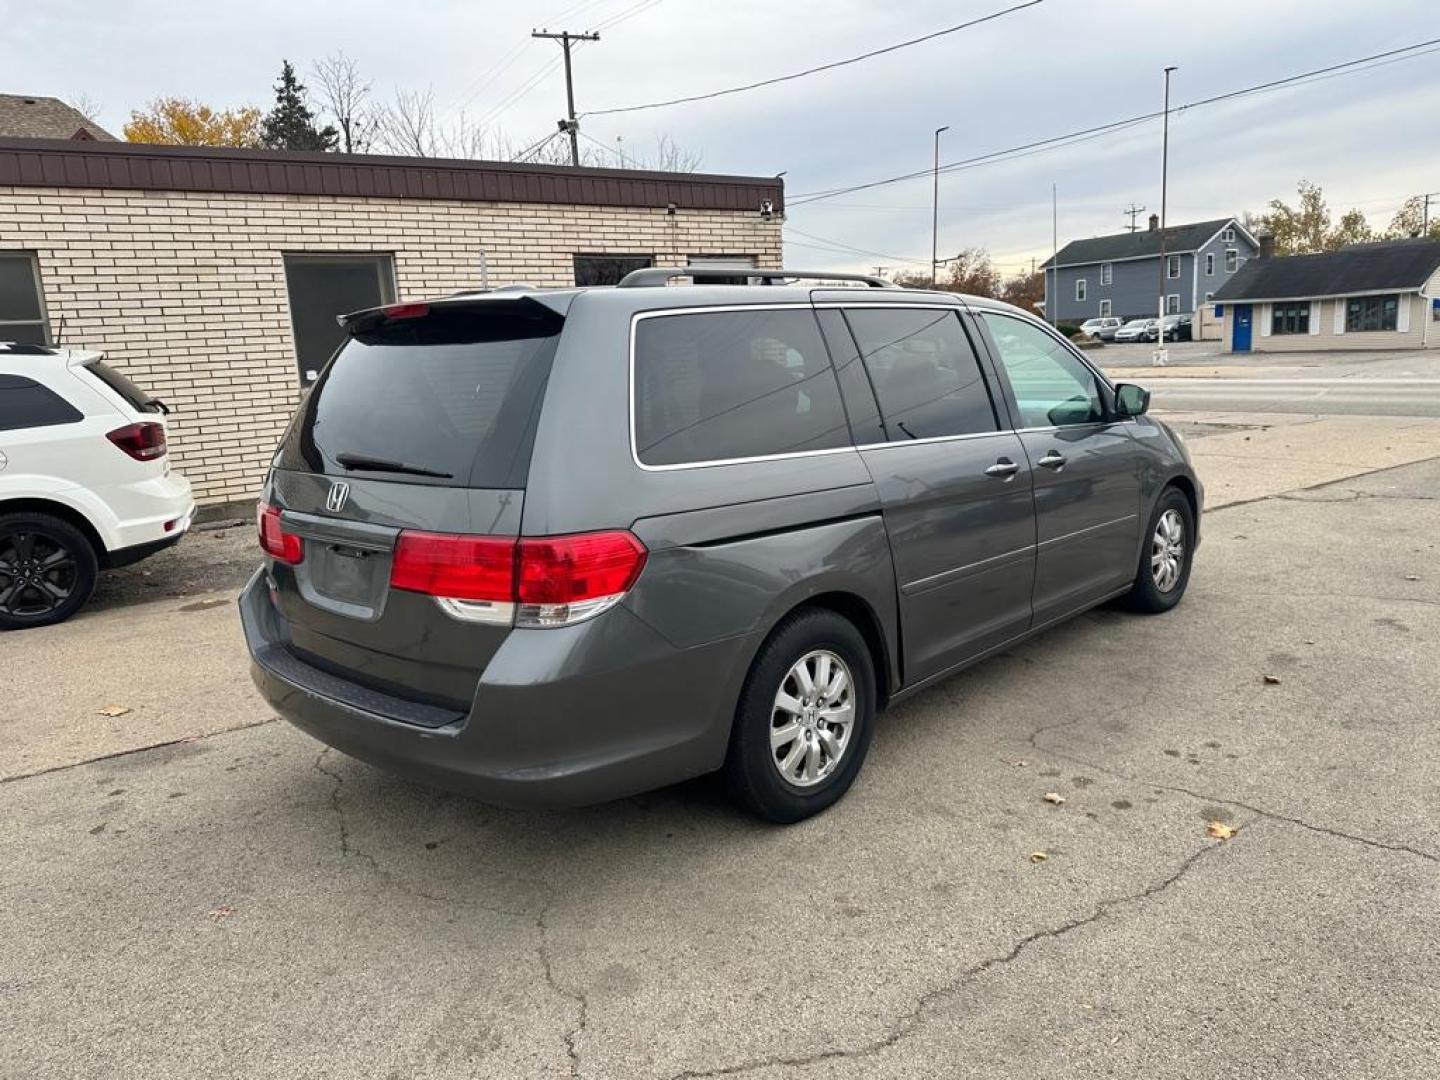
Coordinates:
[573,569]
[144,441]
[283,546]
[455,567]
[550,581]
[405,311]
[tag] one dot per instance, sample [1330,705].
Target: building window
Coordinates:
[1172,266]
[22,314]
[607,269]
[1370,313]
[1209,264]
[1232,260]
[1080,289]
[1228,236]
[1107,273]
[1435,310]
[1104,309]
[722,260]
[1172,304]
[324,286]
[1290,318]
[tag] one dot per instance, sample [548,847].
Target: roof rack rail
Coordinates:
[660,275]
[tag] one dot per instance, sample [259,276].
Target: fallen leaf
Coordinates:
[1412,577]
[223,912]
[1309,641]
[1054,797]
[1271,680]
[1038,856]
[1219,830]
[114,710]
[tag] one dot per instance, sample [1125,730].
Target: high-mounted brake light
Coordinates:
[280,545]
[144,441]
[405,311]
[545,581]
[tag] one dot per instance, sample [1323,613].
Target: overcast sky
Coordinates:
[1369,139]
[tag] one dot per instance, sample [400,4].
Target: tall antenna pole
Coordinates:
[571,125]
[935,215]
[1055,254]
[1160,356]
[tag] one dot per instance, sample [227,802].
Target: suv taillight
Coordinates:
[280,545]
[542,581]
[144,441]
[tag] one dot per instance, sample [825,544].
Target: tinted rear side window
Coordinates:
[925,372]
[24,403]
[455,394]
[133,395]
[715,386]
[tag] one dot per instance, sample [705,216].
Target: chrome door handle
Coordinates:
[1004,468]
[1052,460]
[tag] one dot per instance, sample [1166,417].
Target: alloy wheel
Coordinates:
[37,574]
[1167,551]
[812,719]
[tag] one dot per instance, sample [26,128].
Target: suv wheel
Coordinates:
[47,570]
[803,723]
[1166,555]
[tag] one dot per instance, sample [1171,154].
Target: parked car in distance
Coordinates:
[85,480]
[1136,330]
[1177,328]
[555,547]
[1102,328]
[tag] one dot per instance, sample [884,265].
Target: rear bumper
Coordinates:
[561,717]
[142,510]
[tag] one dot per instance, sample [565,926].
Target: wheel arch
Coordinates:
[64,512]
[858,612]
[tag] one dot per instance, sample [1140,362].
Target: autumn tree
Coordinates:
[1024,290]
[971,272]
[290,125]
[1307,227]
[181,122]
[1409,220]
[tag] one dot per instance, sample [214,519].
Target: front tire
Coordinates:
[804,719]
[47,570]
[1166,556]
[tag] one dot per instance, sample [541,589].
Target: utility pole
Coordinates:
[572,125]
[1425,214]
[1160,357]
[1054,256]
[1134,211]
[935,215]
[880,271]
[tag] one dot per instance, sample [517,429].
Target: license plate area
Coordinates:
[346,567]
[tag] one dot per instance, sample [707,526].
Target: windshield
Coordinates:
[448,398]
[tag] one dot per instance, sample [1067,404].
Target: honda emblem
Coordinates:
[335,500]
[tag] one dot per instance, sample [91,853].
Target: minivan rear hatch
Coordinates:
[422,423]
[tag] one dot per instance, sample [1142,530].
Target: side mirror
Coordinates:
[1131,400]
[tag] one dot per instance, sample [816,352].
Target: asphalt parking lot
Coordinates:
[240,902]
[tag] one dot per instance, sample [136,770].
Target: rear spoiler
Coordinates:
[369,318]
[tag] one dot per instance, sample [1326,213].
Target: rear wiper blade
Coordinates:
[359,462]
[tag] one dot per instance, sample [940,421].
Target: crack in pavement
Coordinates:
[580,999]
[1259,811]
[910,1021]
[1354,496]
[51,769]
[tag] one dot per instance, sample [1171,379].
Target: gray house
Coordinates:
[1119,275]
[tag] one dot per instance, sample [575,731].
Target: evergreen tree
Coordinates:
[290,125]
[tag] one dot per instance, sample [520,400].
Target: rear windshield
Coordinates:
[121,384]
[450,398]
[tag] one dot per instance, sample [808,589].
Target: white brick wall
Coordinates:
[186,291]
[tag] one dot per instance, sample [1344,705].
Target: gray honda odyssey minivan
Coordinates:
[559,546]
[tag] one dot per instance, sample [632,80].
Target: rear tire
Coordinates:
[1165,556]
[47,570]
[804,719]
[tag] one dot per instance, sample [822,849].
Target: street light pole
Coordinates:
[935,214]
[1160,358]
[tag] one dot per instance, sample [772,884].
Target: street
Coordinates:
[193,888]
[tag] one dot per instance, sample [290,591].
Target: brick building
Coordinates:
[212,276]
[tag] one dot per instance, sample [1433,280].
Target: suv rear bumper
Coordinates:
[561,716]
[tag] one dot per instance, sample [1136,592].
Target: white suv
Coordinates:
[85,482]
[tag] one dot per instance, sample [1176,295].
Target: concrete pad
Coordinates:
[248,905]
[178,667]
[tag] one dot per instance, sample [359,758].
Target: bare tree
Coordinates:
[407,124]
[86,106]
[670,156]
[345,94]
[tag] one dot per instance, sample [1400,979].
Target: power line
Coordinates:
[816,70]
[1405,52]
[841,246]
